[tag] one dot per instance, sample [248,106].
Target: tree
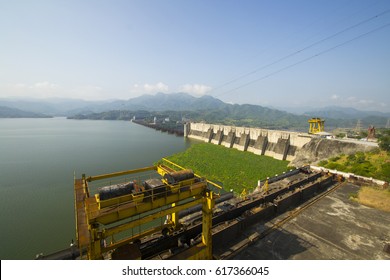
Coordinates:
[384,140]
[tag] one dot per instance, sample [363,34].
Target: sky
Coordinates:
[275,53]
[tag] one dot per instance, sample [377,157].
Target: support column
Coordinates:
[207,218]
[244,142]
[208,135]
[187,129]
[230,139]
[261,144]
[175,217]
[95,249]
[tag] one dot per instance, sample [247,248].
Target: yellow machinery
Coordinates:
[266,186]
[100,219]
[316,125]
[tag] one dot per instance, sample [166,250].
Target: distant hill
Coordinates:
[335,112]
[349,116]
[7,112]
[52,106]
[213,110]
[204,108]
[157,102]
[164,102]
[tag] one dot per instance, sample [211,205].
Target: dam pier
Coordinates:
[281,145]
[297,147]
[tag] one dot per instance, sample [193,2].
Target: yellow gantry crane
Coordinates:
[115,210]
[316,125]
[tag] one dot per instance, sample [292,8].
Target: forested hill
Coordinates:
[181,106]
[7,112]
[206,108]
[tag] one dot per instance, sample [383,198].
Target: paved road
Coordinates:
[367,143]
[334,228]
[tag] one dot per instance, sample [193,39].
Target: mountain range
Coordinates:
[157,102]
[204,108]
[7,112]
[334,112]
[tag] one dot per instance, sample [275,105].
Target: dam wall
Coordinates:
[282,145]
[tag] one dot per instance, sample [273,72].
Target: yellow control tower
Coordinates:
[316,125]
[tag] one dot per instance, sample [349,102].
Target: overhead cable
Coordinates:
[301,50]
[306,59]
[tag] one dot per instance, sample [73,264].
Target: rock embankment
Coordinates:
[320,149]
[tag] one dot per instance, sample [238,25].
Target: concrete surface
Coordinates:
[334,228]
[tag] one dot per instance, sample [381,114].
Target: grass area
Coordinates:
[372,197]
[232,168]
[375,164]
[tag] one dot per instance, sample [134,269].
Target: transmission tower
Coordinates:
[358,127]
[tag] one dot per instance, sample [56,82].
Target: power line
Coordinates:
[306,59]
[301,50]
[270,44]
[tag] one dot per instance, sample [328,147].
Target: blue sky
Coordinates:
[267,52]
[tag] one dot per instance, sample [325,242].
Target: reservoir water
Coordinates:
[38,159]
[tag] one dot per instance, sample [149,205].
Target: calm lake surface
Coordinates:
[38,159]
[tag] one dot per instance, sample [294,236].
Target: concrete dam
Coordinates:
[297,147]
[281,145]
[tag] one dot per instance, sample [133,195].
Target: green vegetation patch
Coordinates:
[384,139]
[231,168]
[375,164]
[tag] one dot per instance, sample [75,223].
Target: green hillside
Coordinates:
[7,112]
[375,164]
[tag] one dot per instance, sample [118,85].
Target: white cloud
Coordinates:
[196,89]
[47,89]
[88,92]
[383,105]
[359,103]
[366,101]
[230,102]
[36,90]
[149,88]
[161,87]
[47,86]
[335,97]
[19,86]
[354,101]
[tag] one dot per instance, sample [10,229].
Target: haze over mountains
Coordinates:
[335,112]
[205,108]
[157,102]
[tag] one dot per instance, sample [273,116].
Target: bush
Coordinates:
[351,157]
[373,164]
[323,163]
[360,157]
[335,158]
[364,169]
[384,143]
[335,165]
[385,172]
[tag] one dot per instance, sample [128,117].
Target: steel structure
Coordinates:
[316,125]
[98,219]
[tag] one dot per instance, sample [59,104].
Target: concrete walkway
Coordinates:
[333,228]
